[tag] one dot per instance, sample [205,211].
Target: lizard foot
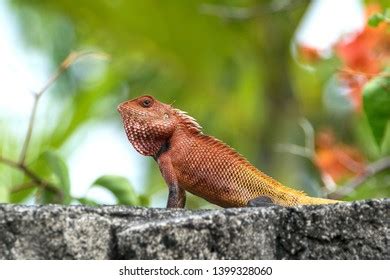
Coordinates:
[260,201]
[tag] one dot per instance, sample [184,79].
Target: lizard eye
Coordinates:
[146,103]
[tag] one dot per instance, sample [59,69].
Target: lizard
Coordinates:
[192,161]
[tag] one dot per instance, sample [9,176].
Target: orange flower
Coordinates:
[363,56]
[308,54]
[339,161]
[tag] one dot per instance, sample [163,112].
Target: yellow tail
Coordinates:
[292,197]
[307,200]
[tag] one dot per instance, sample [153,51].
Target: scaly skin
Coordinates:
[194,162]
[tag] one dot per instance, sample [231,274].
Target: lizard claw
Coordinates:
[260,201]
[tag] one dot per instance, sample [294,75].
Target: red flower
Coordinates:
[308,54]
[363,56]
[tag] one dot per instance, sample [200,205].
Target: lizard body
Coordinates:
[198,163]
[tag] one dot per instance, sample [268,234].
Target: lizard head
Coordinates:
[148,123]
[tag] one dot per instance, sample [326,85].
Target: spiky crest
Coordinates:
[189,122]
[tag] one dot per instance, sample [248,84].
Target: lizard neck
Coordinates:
[164,148]
[181,138]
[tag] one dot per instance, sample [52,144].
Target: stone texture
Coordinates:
[358,230]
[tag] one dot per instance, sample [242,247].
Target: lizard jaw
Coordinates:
[121,107]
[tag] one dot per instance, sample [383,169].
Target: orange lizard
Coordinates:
[192,161]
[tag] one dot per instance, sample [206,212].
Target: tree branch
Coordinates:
[40,182]
[9,162]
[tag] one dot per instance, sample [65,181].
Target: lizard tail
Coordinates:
[292,197]
[307,200]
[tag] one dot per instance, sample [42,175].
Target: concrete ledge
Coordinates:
[358,230]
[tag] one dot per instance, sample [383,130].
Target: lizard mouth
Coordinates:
[126,111]
[121,107]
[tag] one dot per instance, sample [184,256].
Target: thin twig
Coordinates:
[348,162]
[34,177]
[41,182]
[37,97]
[370,170]
[29,130]
[329,184]
[9,162]
[353,72]
[23,186]
[68,61]
[308,130]
[295,150]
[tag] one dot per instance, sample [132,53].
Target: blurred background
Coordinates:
[300,88]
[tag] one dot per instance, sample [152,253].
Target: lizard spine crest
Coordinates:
[189,122]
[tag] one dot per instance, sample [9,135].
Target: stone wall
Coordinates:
[358,230]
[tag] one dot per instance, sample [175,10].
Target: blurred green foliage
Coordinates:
[377,105]
[377,18]
[236,76]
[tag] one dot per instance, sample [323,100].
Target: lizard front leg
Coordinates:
[177,195]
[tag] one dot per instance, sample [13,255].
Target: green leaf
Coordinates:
[144,200]
[387,13]
[22,196]
[120,188]
[375,19]
[59,168]
[87,201]
[376,102]
[4,194]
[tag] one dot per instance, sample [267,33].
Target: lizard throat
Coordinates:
[145,141]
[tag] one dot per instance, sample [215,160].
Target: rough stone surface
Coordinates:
[358,230]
